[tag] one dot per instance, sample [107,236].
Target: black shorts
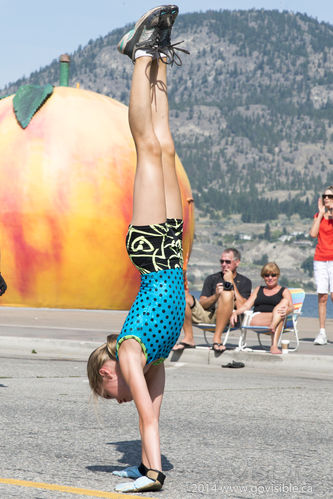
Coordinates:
[156,247]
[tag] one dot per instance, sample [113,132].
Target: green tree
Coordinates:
[267,233]
[284,281]
[307,265]
[262,261]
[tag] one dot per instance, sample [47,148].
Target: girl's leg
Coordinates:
[160,121]
[148,196]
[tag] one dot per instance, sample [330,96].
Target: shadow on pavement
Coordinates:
[131,451]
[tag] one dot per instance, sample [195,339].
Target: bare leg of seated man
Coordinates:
[224,308]
[188,341]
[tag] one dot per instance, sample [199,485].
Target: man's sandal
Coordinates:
[216,348]
[182,346]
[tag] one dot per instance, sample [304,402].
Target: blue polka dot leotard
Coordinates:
[157,314]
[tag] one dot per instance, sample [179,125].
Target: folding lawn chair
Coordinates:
[289,326]
[210,328]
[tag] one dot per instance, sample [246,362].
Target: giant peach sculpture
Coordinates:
[66,201]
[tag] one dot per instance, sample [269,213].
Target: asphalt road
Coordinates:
[240,433]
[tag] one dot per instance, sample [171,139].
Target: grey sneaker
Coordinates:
[146,32]
[166,26]
[165,47]
[321,339]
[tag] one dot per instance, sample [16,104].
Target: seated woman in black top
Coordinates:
[271,303]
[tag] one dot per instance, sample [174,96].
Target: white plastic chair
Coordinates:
[289,325]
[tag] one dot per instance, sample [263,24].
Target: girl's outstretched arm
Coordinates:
[132,360]
[155,379]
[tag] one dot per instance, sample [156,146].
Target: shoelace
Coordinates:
[171,54]
[151,44]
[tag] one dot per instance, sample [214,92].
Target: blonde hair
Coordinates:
[96,360]
[270,267]
[329,188]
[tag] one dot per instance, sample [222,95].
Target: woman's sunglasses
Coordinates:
[329,196]
[270,275]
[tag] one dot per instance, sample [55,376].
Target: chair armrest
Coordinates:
[247,315]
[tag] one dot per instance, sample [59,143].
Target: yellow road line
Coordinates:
[65,488]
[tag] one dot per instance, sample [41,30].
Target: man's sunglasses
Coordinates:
[270,275]
[329,196]
[225,261]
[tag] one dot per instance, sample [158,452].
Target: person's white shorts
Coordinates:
[323,274]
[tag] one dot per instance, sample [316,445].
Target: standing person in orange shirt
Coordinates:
[322,228]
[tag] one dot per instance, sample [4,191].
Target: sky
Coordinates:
[33,33]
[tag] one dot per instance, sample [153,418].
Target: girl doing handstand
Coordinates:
[130,366]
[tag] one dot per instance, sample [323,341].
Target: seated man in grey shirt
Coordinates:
[221,293]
